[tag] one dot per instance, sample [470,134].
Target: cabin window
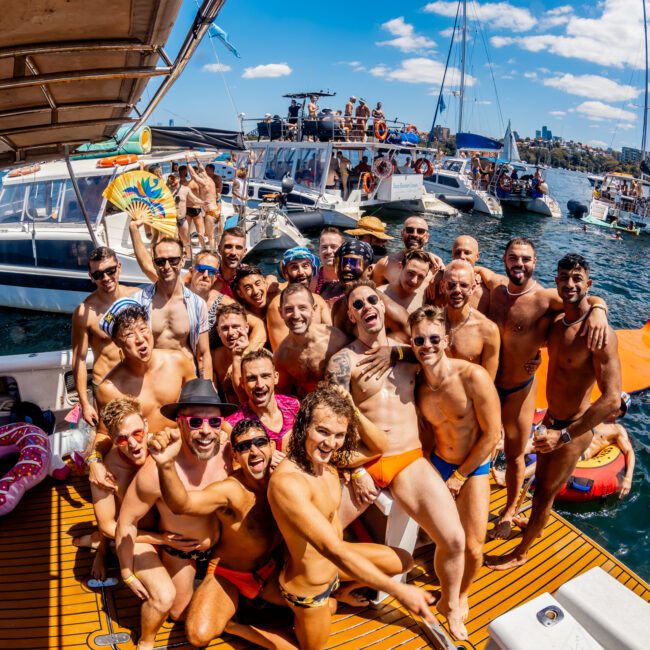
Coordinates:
[310,167]
[449,181]
[453,165]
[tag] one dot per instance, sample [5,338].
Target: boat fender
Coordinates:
[115,161]
[367,182]
[382,168]
[33,446]
[381,130]
[423,166]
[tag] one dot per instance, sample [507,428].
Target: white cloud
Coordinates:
[406,40]
[593,86]
[420,70]
[613,39]
[556,17]
[599,111]
[501,15]
[447,33]
[483,102]
[557,113]
[598,143]
[625,127]
[267,71]
[530,75]
[216,67]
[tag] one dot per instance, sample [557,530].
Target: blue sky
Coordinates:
[577,68]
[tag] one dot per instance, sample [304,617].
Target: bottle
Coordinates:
[540,430]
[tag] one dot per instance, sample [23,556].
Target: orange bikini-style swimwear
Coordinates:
[385,469]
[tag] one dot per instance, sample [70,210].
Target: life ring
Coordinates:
[595,478]
[367,182]
[382,168]
[381,130]
[423,166]
[115,161]
[411,128]
[33,446]
[24,171]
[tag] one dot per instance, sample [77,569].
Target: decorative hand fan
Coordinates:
[146,198]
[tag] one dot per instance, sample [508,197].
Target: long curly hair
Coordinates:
[324,395]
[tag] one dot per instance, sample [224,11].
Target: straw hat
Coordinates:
[370,226]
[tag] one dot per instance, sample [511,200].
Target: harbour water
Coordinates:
[620,275]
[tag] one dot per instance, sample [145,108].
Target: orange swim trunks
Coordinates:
[385,469]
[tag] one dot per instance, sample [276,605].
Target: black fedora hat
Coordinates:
[197,392]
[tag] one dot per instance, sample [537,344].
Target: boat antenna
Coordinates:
[645,102]
[462,68]
[444,76]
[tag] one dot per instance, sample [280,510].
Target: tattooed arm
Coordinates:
[339,369]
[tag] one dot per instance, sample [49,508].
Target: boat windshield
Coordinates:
[52,201]
[311,165]
[453,165]
[279,163]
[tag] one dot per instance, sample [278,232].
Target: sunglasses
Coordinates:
[409,230]
[123,440]
[419,341]
[161,261]
[360,302]
[196,422]
[110,272]
[351,263]
[205,268]
[245,445]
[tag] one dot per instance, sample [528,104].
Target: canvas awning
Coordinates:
[72,71]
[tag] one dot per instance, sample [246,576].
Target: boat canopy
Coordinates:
[186,137]
[72,71]
[476,142]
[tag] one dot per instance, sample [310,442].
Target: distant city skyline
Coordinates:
[576,69]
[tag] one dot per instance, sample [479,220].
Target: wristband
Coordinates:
[358,472]
[131,578]
[357,413]
[95,457]
[459,476]
[400,354]
[599,306]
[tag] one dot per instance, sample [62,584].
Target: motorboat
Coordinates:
[622,202]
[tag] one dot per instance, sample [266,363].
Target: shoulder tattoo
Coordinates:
[339,371]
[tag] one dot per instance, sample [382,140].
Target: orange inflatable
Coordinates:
[634,350]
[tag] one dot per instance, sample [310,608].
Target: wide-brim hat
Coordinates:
[370,226]
[197,392]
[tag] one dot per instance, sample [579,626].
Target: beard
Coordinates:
[519,281]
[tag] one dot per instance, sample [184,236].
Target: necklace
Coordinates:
[431,388]
[575,322]
[453,330]
[521,293]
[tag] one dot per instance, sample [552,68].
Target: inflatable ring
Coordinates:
[382,168]
[411,128]
[367,182]
[595,478]
[33,445]
[24,171]
[115,161]
[381,130]
[423,166]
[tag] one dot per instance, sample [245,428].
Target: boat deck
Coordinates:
[45,603]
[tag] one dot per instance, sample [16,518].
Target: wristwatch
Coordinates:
[565,436]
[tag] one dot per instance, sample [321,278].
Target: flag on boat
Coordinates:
[216,32]
[441,104]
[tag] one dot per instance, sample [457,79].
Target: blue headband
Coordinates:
[298,253]
[107,321]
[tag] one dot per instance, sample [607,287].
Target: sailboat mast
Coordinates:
[462,66]
[645,103]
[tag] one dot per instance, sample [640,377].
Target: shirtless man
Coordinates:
[347,114]
[523,310]
[104,271]
[233,329]
[410,288]
[476,169]
[178,317]
[470,335]
[301,358]
[254,290]
[304,494]
[459,405]
[277,413]
[362,113]
[194,209]
[298,265]
[242,561]
[182,193]
[232,248]
[415,235]
[389,401]
[466,248]
[163,578]
[326,282]
[208,194]
[573,370]
[218,185]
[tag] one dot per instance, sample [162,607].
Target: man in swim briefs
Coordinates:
[304,494]
[208,194]
[389,401]
[523,310]
[163,577]
[243,560]
[459,407]
[574,367]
